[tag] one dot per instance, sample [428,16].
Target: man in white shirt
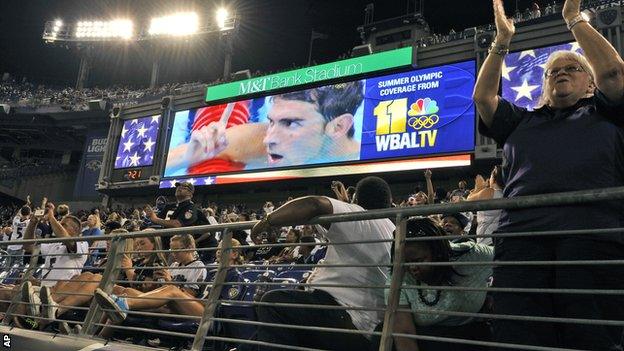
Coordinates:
[70,256]
[371,193]
[77,252]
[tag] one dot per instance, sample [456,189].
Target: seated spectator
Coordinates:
[305,255]
[140,278]
[169,296]
[265,252]
[55,279]
[371,193]
[288,253]
[433,324]
[81,287]
[454,224]
[236,258]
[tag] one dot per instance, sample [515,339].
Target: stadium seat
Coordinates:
[320,254]
[14,273]
[255,292]
[298,274]
[253,274]
[285,283]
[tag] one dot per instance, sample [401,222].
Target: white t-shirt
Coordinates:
[189,273]
[19,227]
[75,261]
[371,253]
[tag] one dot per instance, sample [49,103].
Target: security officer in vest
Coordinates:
[186,213]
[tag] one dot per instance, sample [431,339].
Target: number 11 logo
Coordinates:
[391,116]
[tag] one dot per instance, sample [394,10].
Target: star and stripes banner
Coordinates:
[138,142]
[523,73]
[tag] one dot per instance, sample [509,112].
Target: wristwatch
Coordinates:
[576,20]
[498,49]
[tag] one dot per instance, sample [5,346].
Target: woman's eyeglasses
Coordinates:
[567,69]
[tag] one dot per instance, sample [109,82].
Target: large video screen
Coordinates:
[138,142]
[411,114]
[523,73]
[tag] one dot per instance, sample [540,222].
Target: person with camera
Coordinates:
[177,298]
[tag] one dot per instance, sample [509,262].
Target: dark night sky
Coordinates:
[274,35]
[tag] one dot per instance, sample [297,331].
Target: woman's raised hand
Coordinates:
[505,27]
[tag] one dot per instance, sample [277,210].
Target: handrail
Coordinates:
[543,200]
[399,215]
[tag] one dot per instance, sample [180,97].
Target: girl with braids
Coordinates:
[435,300]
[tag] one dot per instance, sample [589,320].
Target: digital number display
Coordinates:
[134,174]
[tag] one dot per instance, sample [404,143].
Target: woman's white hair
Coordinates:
[568,55]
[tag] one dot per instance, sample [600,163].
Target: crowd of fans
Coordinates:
[447,257]
[19,223]
[526,17]
[24,168]
[26,93]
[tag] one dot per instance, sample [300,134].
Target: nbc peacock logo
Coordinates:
[423,114]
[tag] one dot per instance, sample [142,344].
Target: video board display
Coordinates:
[137,143]
[405,115]
[523,73]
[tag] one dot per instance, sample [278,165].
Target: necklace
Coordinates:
[424,300]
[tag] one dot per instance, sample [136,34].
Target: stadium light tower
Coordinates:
[226,24]
[86,33]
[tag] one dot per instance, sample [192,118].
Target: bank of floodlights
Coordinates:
[175,25]
[116,29]
[178,24]
[223,19]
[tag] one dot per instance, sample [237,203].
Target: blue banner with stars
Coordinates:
[523,74]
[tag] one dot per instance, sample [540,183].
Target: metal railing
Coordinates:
[92,322]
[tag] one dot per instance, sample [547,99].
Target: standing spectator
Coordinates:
[186,213]
[582,99]
[487,221]
[18,226]
[460,193]
[535,11]
[340,191]
[371,193]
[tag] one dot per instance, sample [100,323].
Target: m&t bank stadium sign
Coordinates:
[329,71]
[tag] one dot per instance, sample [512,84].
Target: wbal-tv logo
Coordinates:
[393,118]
